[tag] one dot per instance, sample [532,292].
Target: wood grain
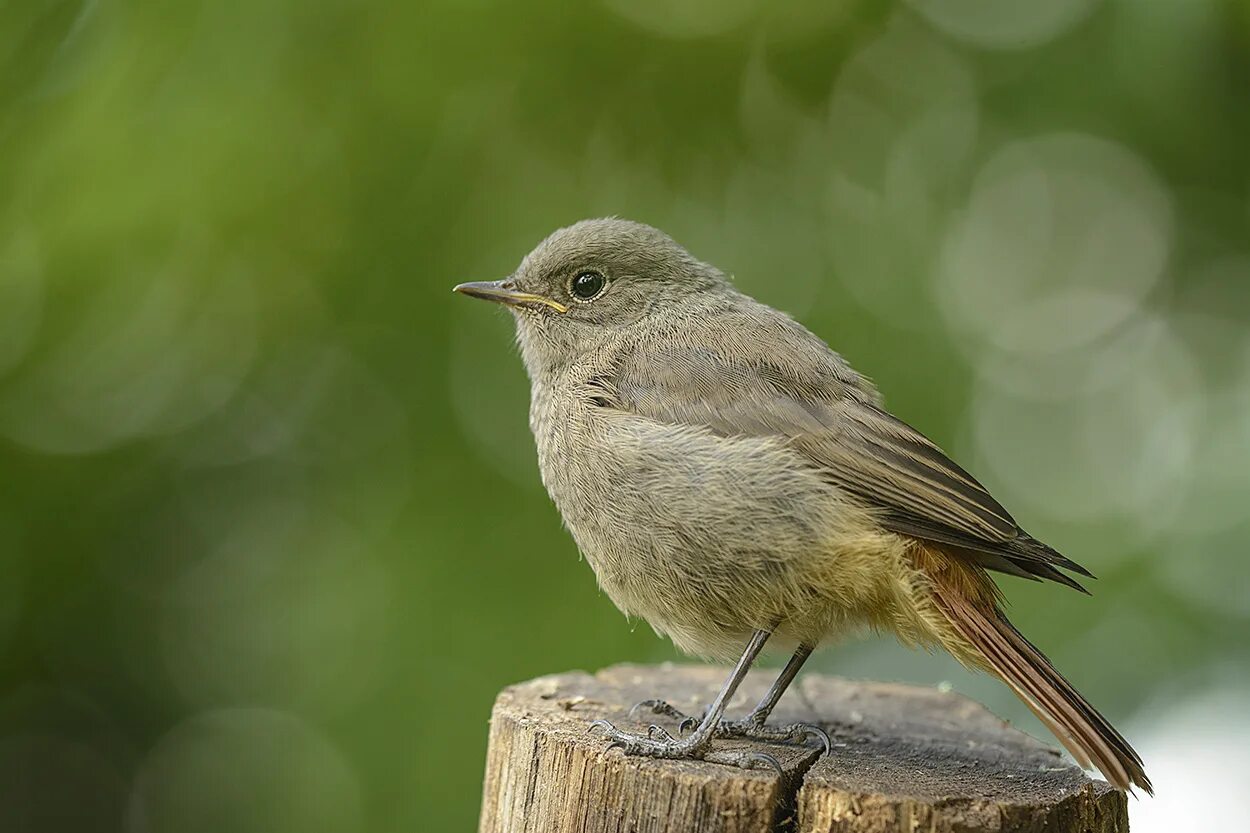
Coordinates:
[905,759]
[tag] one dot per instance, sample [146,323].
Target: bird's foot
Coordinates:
[663,707]
[658,743]
[757,729]
[751,726]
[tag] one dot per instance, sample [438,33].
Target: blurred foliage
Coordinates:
[271,530]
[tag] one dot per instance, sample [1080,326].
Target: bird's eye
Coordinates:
[587,285]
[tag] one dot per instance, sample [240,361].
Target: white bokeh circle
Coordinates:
[1062,239]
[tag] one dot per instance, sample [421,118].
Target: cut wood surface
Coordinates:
[904,759]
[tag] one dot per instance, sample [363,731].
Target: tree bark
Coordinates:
[904,759]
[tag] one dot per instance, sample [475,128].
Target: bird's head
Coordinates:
[592,279]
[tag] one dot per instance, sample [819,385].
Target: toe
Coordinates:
[657,707]
[745,760]
[607,727]
[648,706]
[660,733]
[810,730]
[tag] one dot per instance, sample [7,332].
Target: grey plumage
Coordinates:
[725,473]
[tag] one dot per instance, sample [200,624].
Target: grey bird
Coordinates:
[731,480]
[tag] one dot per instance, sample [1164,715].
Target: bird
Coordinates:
[731,480]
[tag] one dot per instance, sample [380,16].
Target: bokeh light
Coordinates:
[1062,238]
[902,125]
[1005,24]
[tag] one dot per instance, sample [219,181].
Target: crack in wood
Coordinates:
[905,758]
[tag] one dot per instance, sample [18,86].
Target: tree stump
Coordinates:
[904,759]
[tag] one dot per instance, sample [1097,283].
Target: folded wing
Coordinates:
[803,391]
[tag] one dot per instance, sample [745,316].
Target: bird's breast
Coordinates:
[570,451]
[705,536]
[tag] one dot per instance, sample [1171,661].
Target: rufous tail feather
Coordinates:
[967,598]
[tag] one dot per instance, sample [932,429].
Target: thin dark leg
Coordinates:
[761,712]
[766,705]
[717,709]
[659,744]
[753,725]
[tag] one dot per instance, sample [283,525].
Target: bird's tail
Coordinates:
[971,609]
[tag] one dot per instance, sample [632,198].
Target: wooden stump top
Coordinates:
[904,759]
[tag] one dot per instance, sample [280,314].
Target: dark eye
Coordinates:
[587,285]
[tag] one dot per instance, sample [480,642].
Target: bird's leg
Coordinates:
[660,744]
[753,725]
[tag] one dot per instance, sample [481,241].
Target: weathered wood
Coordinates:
[914,758]
[904,759]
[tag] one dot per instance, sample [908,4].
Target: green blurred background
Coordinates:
[271,529]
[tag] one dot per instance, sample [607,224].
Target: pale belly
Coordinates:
[708,538]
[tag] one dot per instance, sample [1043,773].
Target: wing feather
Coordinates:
[806,393]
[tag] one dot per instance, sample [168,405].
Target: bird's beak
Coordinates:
[499,291]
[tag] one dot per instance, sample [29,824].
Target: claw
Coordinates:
[658,707]
[659,733]
[658,743]
[688,724]
[812,730]
[654,706]
[601,724]
[744,759]
[794,733]
[765,759]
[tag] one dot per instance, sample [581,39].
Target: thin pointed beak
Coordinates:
[499,292]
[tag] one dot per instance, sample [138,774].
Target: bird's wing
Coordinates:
[776,379]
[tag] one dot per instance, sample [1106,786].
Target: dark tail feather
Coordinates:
[1077,724]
